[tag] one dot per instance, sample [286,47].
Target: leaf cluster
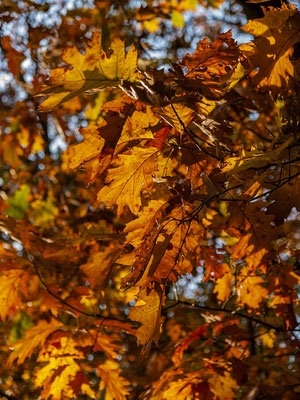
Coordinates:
[149,215]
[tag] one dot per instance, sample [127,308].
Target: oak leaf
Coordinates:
[10,284]
[223,386]
[111,380]
[275,36]
[223,284]
[100,264]
[137,126]
[147,311]
[251,292]
[145,223]
[81,384]
[34,336]
[92,71]
[61,368]
[253,159]
[87,150]
[211,65]
[132,174]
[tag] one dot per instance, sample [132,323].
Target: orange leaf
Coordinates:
[111,380]
[276,33]
[251,293]
[34,337]
[93,70]
[131,175]
[147,312]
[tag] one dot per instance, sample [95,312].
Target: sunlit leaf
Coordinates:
[92,71]
[34,337]
[131,175]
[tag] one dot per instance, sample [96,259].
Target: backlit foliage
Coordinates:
[150,201]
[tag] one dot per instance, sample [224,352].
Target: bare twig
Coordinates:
[225,310]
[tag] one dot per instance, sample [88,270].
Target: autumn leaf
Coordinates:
[81,384]
[251,292]
[223,386]
[92,71]
[18,204]
[145,223]
[87,150]
[10,282]
[223,284]
[212,64]
[131,175]
[248,159]
[100,265]
[147,312]
[114,384]
[44,212]
[35,336]
[178,354]
[137,126]
[61,368]
[15,57]
[275,36]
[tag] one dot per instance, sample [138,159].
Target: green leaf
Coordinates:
[18,204]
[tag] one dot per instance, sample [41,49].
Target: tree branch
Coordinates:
[31,259]
[226,310]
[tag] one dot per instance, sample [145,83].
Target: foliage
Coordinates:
[150,202]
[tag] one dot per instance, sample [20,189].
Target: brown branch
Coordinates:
[192,136]
[277,187]
[225,310]
[31,259]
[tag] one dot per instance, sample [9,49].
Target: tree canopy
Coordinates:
[150,199]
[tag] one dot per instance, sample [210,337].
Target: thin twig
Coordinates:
[31,259]
[226,310]
[277,187]
[192,136]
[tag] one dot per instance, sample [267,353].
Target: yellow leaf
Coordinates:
[223,386]
[85,154]
[238,74]
[132,174]
[93,113]
[148,315]
[223,285]
[177,19]
[111,380]
[275,36]
[181,115]
[61,367]
[137,228]
[99,265]
[92,71]
[250,291]
[179,390]
[152,25]
[87,150]
[268,339]
[253,158]
[100,342]
[34,337]
[137,126]
[9,290]
[44,212]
